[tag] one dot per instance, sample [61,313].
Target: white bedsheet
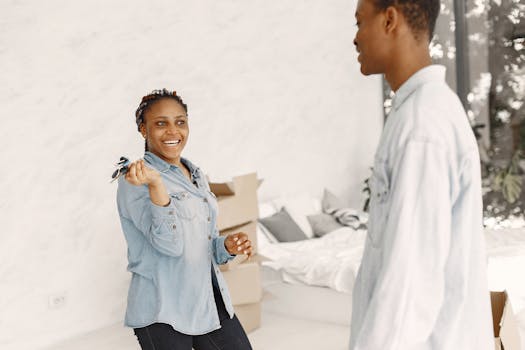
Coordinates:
[333,260]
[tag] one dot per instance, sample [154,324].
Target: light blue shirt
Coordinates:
[422,283]
[172,251]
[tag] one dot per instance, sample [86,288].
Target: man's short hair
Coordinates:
[421,15]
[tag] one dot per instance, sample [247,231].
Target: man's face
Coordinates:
[371,40]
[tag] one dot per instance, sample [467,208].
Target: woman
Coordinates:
[177,298]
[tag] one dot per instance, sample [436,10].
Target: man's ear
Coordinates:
[392,17]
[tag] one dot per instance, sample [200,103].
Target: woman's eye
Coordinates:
[181,122]
[161,123]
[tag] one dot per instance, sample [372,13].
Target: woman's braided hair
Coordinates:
[151,98]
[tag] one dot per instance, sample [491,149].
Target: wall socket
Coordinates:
[57,301]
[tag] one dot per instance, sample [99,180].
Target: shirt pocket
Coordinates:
[185,205]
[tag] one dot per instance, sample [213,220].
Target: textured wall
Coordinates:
[272,86]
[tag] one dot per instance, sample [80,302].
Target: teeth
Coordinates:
[172,142]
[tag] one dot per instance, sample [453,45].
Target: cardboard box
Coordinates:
[244,283]
[237,200]
[230,265]
[249,315]
[240,259]
[506,332]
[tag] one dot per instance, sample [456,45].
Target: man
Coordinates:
[422,282]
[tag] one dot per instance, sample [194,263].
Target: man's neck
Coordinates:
[406,64]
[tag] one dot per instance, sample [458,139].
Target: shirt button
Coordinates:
[174,226]
[205,200]
[209,237]
[209,219]
[170,212]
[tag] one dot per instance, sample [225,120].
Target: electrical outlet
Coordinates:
[56,301]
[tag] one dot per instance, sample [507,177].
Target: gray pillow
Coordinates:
[330,202]
[283,227]
[323,224]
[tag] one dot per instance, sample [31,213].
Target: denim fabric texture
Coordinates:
[172,251]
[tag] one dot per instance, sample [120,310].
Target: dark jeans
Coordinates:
[231,335]
[161,336]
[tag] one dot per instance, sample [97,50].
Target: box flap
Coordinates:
[237,201]
[229,188]
[222,189]
[497,299]
[509,334]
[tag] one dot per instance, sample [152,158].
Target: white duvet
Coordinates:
[333,260]
[330,261]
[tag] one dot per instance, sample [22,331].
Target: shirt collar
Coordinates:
[163,166]
[422,76]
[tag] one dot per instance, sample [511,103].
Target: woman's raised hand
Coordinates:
[238,243]
[140,174]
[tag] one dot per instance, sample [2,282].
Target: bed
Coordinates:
[324,269]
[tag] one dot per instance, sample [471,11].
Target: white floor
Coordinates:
[281,328]
[293,317]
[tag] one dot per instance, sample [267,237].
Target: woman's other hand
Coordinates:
[238,243]
[139,174]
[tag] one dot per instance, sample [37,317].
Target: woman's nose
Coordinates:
[172,129]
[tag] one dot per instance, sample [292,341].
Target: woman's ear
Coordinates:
[142,128]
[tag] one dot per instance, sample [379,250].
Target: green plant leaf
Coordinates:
[511,187]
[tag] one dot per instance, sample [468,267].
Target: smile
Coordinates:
[172,143]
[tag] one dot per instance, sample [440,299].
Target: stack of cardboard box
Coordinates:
[238,212]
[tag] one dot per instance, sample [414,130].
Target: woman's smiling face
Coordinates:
[166,129]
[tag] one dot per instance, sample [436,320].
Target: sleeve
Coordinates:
[157,224]
[220,253]
[409,291]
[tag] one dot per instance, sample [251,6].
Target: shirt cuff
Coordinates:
[222,254]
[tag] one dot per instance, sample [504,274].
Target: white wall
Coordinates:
[272,87]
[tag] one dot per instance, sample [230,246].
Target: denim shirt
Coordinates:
[173,251]
[422,283]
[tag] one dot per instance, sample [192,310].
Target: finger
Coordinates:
[240,247]
[241,238]
[132,171]
[248,252]
[140,170]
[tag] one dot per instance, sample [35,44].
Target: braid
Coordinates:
[151,98]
